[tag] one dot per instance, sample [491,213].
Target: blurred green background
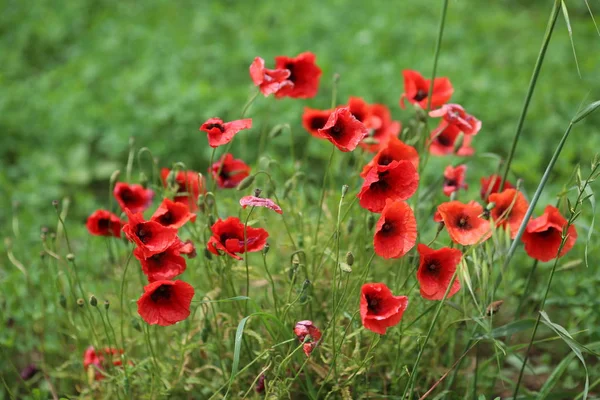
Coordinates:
[79,78]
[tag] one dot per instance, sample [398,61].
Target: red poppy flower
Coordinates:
[104,223]
[393,149]
[268,80]
[464,223]
[254,201]
[395,181]
[313,120]
[165,302]
[232,173]
[454,179]
[363,112]
[416,90]
[97,359]
[454,114]
[387,129]
[133,197]
[304,74]
[188,184]
[164,265]
[304,329]
[172,214]
[343,130]
[396,230]
[509,210]
[443,142]
[543,235]
[436,269]
[228,236]
[491,184]
[220,133]
[379,308]
[150,236]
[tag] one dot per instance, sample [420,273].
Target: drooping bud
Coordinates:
[106,304]
[276,130]
[62,300]
[349,258]
[246,182]
[93,301]
[143,180]
[136,324]
[266,249]
[344,190]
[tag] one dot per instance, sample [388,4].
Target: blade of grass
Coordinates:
[565,12]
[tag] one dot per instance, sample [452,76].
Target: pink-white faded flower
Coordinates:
[304,329]
[269,80]
[455,114]
[260,202]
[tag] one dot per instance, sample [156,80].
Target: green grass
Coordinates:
[79,79]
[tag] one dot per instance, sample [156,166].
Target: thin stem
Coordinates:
[532,84]
[438,46]
[246,258]
[323,189]
[526,289]
[123,356]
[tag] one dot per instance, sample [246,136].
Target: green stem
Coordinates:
[320,211]
[123,356]
[246,258]
[526,289]
[532,84]
[438,46]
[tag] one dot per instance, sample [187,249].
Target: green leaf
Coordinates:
[555,376]
[508,329]
[592,199]
[236,351]
[566,15]
[586,111]
[573,344]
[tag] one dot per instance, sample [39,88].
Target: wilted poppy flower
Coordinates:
[397,180]
[416,90]
[304,329]
[464,222]
[132,197]
[393,149]
[509,209]
[454,179]
[172,214]
[313,120]
[150,236]
[543,235]
[220,133]
[343,130]
[254,201]
[443,142]
[454,114]
[491,184]
[379,308]
[97,359]
[165,302]
[187,248]
[268,80]
[228,236]
[188,184]
[396,230]
[231,173]
[164,265]
[387,128]
[104,223]
[260,384]
[436,269]
[304,74]
[29,372]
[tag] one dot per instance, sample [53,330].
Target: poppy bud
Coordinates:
[287,188]
[136,324]
[80,302]
[266,249]
[293,269]
[336,78]
[494,307]
[349,258]
[344,190]
[211,220]
[350,226]
[276,131]
[207,254]
[260,384]
[257,192]
[301,240]
[44,229]
[93,301]
[459,142]
[246,182]
[370,221]
[490,206]
[106,304]
[71,257]
[62,300]
[55,204]
[143,180]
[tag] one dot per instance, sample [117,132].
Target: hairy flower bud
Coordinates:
[93,301]
[246,182]
[349,258]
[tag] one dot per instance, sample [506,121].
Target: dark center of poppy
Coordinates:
[373,304]
[385,160]
[317,123]
[463,222]
[225,236]
[218,126]
[381,184]
[127,195]
[359,116]
[157,258]
[444,140]
[547,232]
[143,234]
[433,266]
[167,218]
[450,182]
[290,67]
[162,293]
[103,224]
[337,130]
[421,94]
[387,228]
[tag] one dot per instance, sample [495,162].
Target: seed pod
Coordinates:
[136,324]
[62,300]
[93,301]
[344,190]
[80,302]
[349,258]
[266,249]
[106,304]
[70,257]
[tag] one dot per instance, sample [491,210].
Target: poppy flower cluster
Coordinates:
[159,251]
[228,172]
[186,186]
[99,359]
[296,77]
